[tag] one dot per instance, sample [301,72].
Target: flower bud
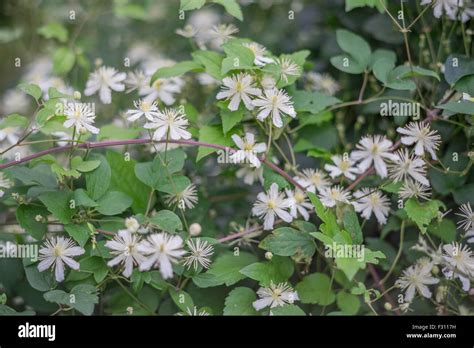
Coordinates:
[387,306]
[268,255]
[77,95]
[132,224]
[195,229]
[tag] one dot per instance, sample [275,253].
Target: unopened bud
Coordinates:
[387,306]
[132,224]
[268,255]
[77,95]
[195,229]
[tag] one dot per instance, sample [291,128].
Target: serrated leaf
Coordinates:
[421,213]
[239,302]
[316,289]
[286,241]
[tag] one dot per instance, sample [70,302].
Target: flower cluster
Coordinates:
[129,250]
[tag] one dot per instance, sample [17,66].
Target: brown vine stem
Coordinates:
[111,143]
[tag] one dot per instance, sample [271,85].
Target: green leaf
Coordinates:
[176,70]
[95,265]
[352,4]
[135,11]
[41,281]
[98,181]
[313,102]
[212,62]
[58,204]
[238,57]
[53,93]
[351,224]
[5,310]
[278,270]
[225,270]
[414,71]
[464,194]
[175,185]
[286,241]
[232,7]
[456,67]
[63,60]
[446,230]
[54,30]
[26,217]
[187,5]
[113,203]
[316,289]
[80,165]
[239,302]
[462,107]
[114,132]
[82,198]
[39,175]
[82,297]
[167,221]
[287,309]
[347,64]
[382,68]
[270,177]
[80,233]
[31,89]
[355,46]
[145,172]
[349,304]
[46,114]
[213,135]
[181,299]
[421,213]
[230,118]
[379,54]
[174,161]
[14,120]
[351,265]
[329,226]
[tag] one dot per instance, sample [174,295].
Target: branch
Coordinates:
[111,143]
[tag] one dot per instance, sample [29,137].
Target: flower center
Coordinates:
[145,106]
[248,147]
[374,199]
[157,84]
[271,204]
[344,165]
[299,197]
[239,88]
[375,149]
[57,251]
